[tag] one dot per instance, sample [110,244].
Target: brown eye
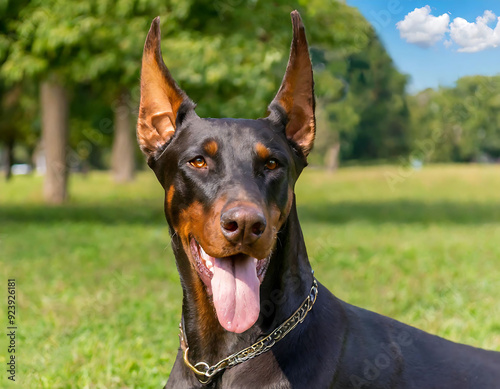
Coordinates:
[198,162]
[271,164]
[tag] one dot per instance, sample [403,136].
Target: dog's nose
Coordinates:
[243,224]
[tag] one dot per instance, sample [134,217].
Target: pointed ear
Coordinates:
[161,97]
[296,94]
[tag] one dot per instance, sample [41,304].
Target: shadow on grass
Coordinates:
[443,212]
[334,213]
[121,213]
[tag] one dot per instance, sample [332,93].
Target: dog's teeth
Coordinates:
[206,259]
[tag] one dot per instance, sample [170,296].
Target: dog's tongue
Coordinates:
[235,290]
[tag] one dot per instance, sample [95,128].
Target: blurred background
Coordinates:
[400,205]
[70,70]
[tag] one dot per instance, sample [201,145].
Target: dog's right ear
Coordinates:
[161,97]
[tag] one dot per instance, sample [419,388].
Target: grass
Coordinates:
[98,292]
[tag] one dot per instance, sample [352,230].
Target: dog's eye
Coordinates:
[271,164]
[198,162]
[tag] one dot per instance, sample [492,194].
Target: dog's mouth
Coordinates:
[234,283]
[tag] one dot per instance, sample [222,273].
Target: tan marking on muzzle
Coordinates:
[170,196]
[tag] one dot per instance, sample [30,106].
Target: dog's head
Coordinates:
[228,182]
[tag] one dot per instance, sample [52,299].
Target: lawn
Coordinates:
[99,296]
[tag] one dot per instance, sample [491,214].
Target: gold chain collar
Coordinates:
[205,373]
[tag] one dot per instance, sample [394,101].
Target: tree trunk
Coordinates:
[55,131]
[332,157]
[122,158]
[9,158]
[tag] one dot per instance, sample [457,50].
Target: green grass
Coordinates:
[99,297]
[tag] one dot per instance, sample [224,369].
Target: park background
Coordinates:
[400,205]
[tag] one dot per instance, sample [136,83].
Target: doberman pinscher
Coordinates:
[253,315]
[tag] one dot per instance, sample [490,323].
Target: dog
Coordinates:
[253,314]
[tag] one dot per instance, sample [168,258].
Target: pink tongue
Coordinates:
[235,289]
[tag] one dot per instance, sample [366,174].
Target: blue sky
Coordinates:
[428,53]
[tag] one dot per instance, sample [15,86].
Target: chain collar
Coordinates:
[205,373]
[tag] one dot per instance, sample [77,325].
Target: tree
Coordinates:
[122,158]
[460,123]
[54,101]
[60,44]
[383,128]
[363,98]
[11,130]
[230,59]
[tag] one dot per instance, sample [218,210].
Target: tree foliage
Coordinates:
[364,98]
[229,56]
[460,123]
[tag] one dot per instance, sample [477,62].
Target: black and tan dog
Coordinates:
[253,316]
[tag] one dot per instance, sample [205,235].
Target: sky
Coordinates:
[437,42]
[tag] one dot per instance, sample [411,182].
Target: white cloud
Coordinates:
[472,37]
[422,28]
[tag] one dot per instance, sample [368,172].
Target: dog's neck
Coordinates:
[287,283]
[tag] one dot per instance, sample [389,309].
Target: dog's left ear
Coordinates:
[296,94]
[161,97]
